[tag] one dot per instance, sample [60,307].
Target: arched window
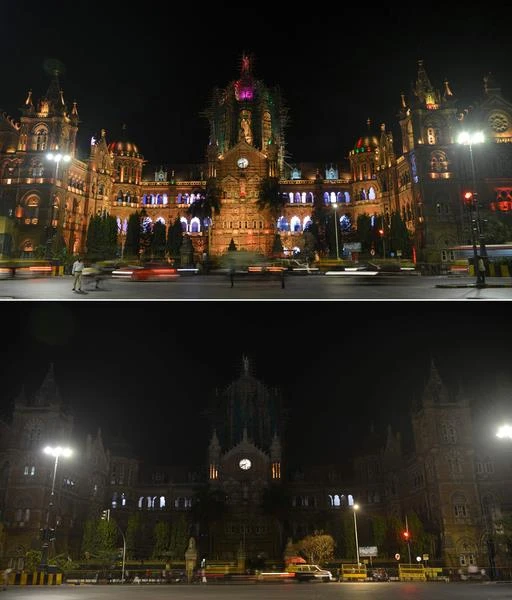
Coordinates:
[460,506]
[310,198]
[195,225]
[295,225]
[297,198]
[371,193]
[306,222]
[290,197]
[184,224]
[165,199]
[40,137]
[162,502]
[282,224]
[347,197]
[32,210]
[326,198]
[118,219]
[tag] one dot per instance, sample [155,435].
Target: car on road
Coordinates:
[148,272]
[305,572]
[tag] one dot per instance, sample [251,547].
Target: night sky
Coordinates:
[154,67]
[145,370]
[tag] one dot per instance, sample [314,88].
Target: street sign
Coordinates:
[425,557]
[397,556]
[368,551]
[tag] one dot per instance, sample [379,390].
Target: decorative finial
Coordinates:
[402,96]
[28,101]
[447,90]
[74,110]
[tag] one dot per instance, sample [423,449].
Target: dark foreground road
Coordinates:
[297,287]
[309,591]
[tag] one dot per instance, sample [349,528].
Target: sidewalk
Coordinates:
[458,281]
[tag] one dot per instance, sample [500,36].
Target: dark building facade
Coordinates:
[245,500]
[422,181]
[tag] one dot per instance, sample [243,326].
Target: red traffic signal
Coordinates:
[381,231]
[468,197]
[406,535]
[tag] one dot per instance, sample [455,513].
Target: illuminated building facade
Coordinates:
[44,201]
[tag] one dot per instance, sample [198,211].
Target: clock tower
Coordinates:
[244,463]
[246,145]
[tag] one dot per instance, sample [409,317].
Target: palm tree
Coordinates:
[207,205]
[271,198]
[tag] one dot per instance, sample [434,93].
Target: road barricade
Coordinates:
[352,572]
[411,573]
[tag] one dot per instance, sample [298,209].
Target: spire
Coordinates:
[48,392]
[435,391]
[54,94]
[423,89]
[447,91]
[74,110]
[28,101]
[402,100]
[491,86]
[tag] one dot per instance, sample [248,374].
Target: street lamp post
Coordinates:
[56,452]
[335,206]
[469,139]
[356,508]
[57,158]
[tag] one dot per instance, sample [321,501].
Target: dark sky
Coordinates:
[145,370]
[154,66]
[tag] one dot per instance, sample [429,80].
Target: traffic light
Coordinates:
[406,535]
[468,197]
[51,534]
[105,515]
[381,231]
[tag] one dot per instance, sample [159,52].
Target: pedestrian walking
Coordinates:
[5,578]
[78,267]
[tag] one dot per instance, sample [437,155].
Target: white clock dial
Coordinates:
[242,163]
[245,464]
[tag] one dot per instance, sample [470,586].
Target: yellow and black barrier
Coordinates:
[35,578]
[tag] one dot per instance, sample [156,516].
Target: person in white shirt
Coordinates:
[78,267]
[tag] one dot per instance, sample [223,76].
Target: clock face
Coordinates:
[245,464]
[242,163]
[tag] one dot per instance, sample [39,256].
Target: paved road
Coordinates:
[306,591]
[297,287]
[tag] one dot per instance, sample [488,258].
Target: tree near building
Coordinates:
[101,241]
[174,239]
[161,534]
[132,243]
[99,539]
[158,240]
[317,548]
[400,238]
[271,199]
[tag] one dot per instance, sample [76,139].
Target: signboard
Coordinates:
[368,551]
[397,556]
[352,247]
[425,557]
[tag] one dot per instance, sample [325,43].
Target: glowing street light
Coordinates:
[356,508]
[56,158]
[56,452]
[469,139]
[504,431]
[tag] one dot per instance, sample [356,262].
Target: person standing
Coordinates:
[78,267]
[5,578]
